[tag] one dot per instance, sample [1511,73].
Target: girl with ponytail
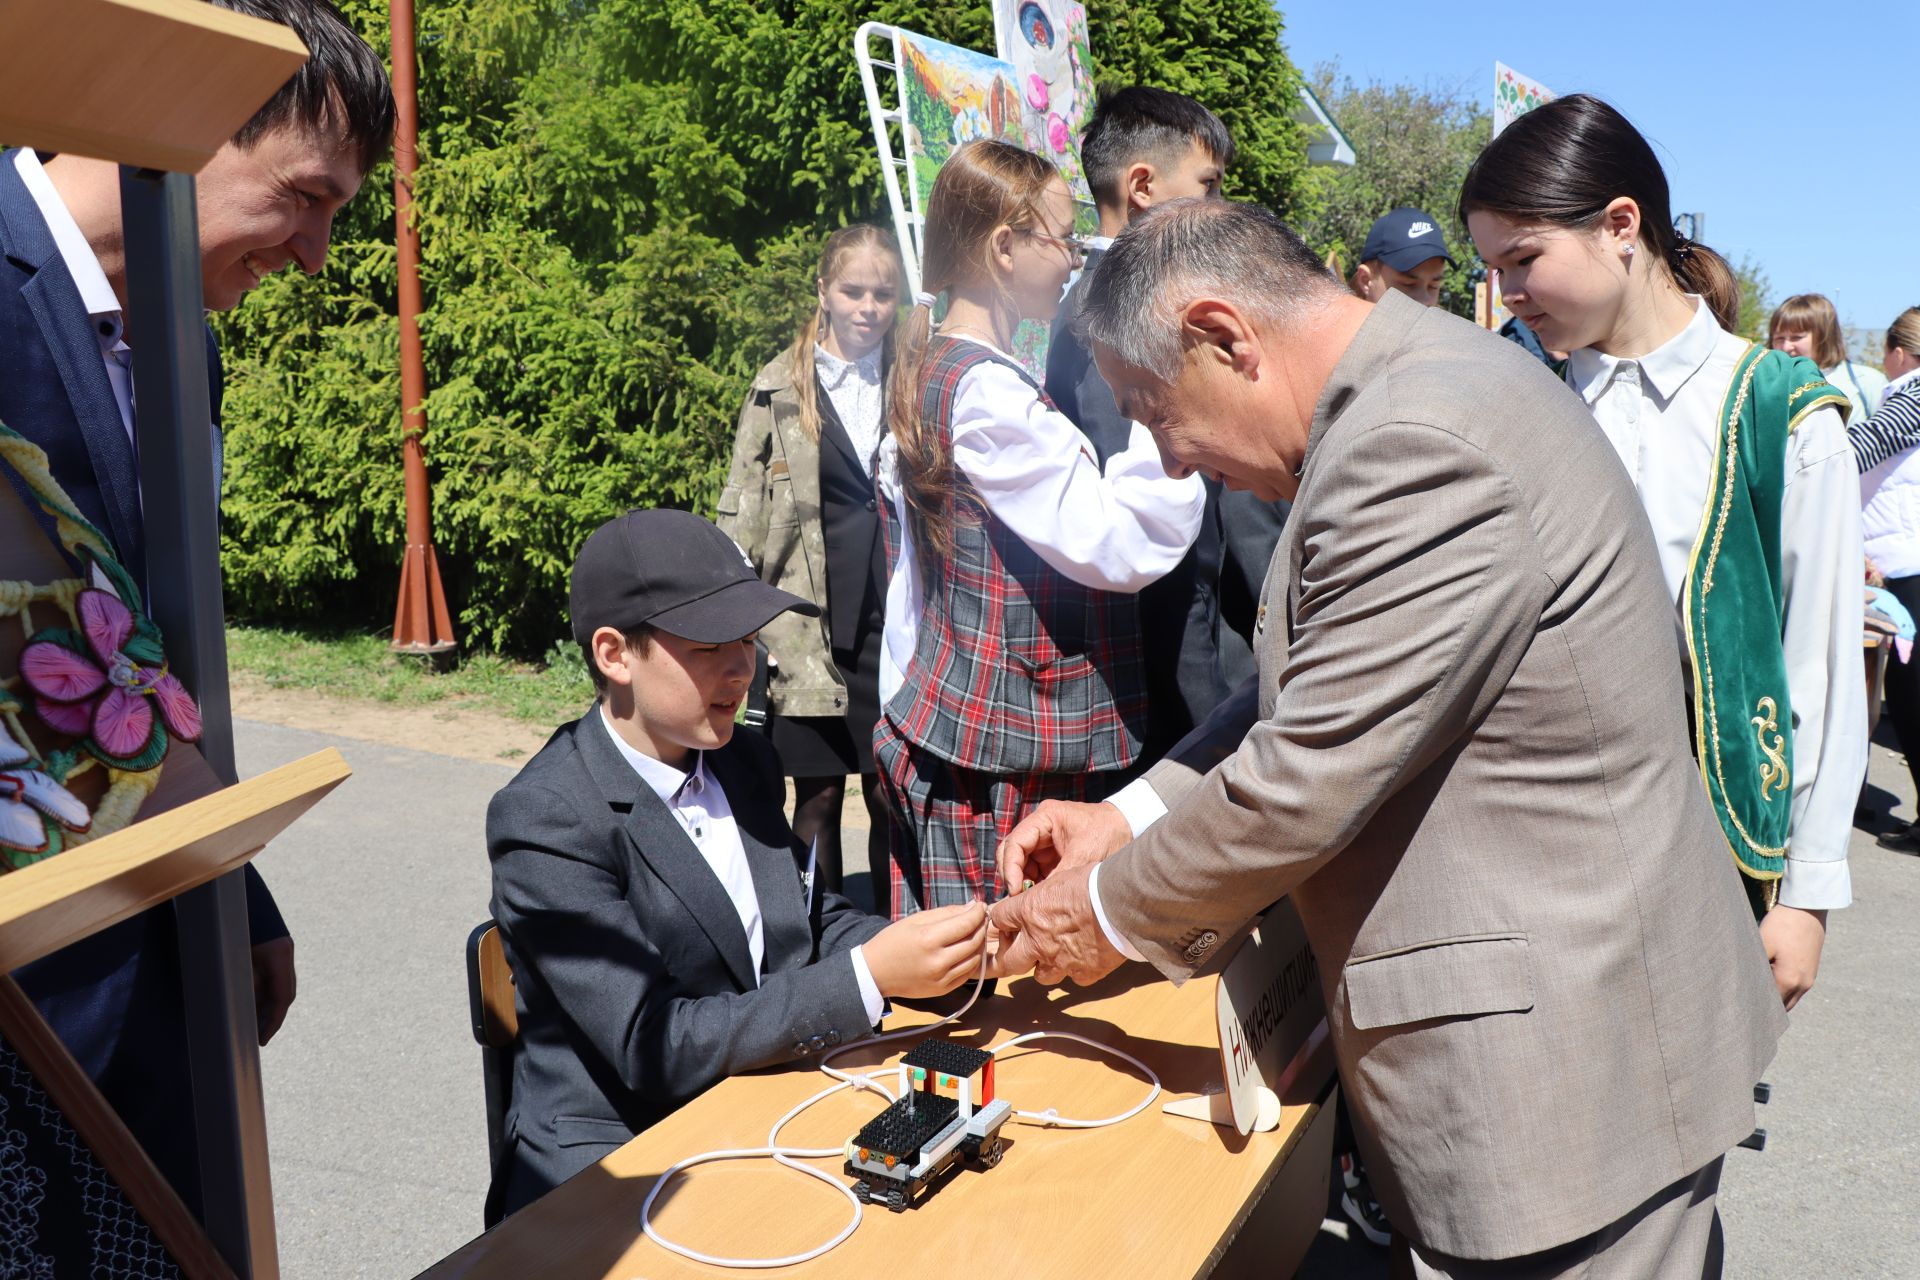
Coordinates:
[1011,669]
[1741,459]
[800,502]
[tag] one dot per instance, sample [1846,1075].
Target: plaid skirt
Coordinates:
[946,822]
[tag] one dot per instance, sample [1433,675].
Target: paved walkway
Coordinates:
[373,1087]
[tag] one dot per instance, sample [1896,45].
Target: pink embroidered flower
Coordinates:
[1057,133]
[1037,95]
[103,683]
[34,809]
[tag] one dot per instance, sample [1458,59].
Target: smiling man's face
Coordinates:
[268,205]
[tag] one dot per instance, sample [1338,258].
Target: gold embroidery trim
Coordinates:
[1773,771]
[1708,726]
[1835,400]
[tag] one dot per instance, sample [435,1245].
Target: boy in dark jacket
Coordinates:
[661,920]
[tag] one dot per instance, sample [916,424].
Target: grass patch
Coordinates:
[362,666]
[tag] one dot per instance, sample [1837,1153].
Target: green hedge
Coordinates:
[620,204]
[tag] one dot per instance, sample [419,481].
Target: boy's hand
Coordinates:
[929,953]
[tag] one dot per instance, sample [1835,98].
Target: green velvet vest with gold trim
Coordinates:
[1734,604]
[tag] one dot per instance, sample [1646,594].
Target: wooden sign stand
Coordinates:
[1272,1023]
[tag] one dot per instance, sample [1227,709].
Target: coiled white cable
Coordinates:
[791,1156]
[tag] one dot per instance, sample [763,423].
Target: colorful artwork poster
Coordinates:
[1514,95]
[951,96]
[1046,41]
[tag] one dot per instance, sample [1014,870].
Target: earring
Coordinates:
[1629,257]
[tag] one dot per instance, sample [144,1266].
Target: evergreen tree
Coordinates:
[1414,147]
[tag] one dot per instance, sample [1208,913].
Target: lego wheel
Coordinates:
[862,1192]
[897,1200]
[990,1153]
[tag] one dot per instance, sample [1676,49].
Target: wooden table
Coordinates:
[1155,1197]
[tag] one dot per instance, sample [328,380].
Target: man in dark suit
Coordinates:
[266,199]
[664,926]
[1144,147]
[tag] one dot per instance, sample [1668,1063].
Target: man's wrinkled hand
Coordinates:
[273,985]
[1057,835]
[1052,930]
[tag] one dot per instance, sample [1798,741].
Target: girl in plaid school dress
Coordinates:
[1010,671]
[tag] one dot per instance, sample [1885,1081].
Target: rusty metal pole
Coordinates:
[420,621]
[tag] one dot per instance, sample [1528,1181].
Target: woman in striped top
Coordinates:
[1895,424]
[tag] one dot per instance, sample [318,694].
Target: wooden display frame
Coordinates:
[96,885]
[159,84]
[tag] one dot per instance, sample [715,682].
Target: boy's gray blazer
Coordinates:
[635,988]
[1466,757]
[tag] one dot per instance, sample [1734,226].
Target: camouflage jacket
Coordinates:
[771,507]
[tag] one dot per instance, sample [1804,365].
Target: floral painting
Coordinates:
[1046,43]
[1514,95]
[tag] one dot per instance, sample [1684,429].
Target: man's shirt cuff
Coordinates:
[1139,804]
[1120,944]
[869,989]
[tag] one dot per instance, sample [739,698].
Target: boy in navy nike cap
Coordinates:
[1404,251]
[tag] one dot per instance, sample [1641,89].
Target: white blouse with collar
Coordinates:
[859,397]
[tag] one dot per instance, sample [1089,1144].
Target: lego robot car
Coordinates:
[909,1147]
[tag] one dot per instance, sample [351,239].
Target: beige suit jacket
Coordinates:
[1465,756]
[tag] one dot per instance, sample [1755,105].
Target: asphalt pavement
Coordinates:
[377,1127]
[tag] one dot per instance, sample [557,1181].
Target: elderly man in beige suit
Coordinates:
[1464,756]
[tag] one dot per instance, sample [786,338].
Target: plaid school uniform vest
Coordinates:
[1017,668]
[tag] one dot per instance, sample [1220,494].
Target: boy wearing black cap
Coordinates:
[1404,251]
[660,918]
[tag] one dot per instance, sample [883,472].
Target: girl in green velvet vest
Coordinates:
[1741,460]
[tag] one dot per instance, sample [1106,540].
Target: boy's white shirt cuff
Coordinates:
[1816,885]
[1139,804]
[869,989]
[1120,944]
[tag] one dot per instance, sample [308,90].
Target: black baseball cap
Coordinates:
[675,572]
[1404,239]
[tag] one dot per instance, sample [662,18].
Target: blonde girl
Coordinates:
[800,502]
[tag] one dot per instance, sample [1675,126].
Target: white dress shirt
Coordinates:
[1660,412]
[1112,531]
[96,295]
[858,395]
[700,805]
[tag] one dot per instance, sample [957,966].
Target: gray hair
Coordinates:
[1187,249]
